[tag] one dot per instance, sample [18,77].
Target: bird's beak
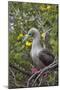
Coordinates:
[25,38]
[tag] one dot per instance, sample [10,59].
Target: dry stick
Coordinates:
[37,73]
[19,69]
[32,77]
[38,18]
[17,85]
[40,82]
[13,76]
[40,74]
[45,69]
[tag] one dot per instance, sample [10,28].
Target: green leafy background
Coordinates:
[22,17]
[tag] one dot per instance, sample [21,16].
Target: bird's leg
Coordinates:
[34,70]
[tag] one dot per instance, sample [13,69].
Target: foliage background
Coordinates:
[22,17]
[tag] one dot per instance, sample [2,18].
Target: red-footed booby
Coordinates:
[41,57]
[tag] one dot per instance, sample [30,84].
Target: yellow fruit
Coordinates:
[48,7]
[28,43]
[20,36]
[43,35]
[43,8]
[26,35]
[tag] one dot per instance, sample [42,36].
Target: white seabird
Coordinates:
[41,57]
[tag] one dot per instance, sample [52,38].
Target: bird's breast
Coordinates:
[34,53]
[35,58]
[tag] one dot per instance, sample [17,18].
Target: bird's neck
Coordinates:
[36,42]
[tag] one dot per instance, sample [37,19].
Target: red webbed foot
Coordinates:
[34,70]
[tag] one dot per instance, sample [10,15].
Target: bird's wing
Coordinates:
[46,57]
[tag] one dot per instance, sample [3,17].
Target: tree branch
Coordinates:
[44,70]
[15,82]
[19,69]
[39,73]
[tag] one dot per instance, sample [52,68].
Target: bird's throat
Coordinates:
[36,43]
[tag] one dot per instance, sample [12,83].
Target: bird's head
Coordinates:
[33,32]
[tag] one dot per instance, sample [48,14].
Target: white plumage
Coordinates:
[41,56]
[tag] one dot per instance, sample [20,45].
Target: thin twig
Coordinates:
[40,82]
[21,70]
[17,85]
[44,70]
[51,66]
[32,77]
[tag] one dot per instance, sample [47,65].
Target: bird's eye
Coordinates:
[30,34]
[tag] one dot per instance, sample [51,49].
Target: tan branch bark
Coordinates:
[39,73]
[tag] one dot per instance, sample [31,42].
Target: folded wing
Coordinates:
[46,57]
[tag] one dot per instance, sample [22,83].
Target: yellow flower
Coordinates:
[20,36]
[48,7]
[28,44]
[43,8]
[43,35]
[26,34]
